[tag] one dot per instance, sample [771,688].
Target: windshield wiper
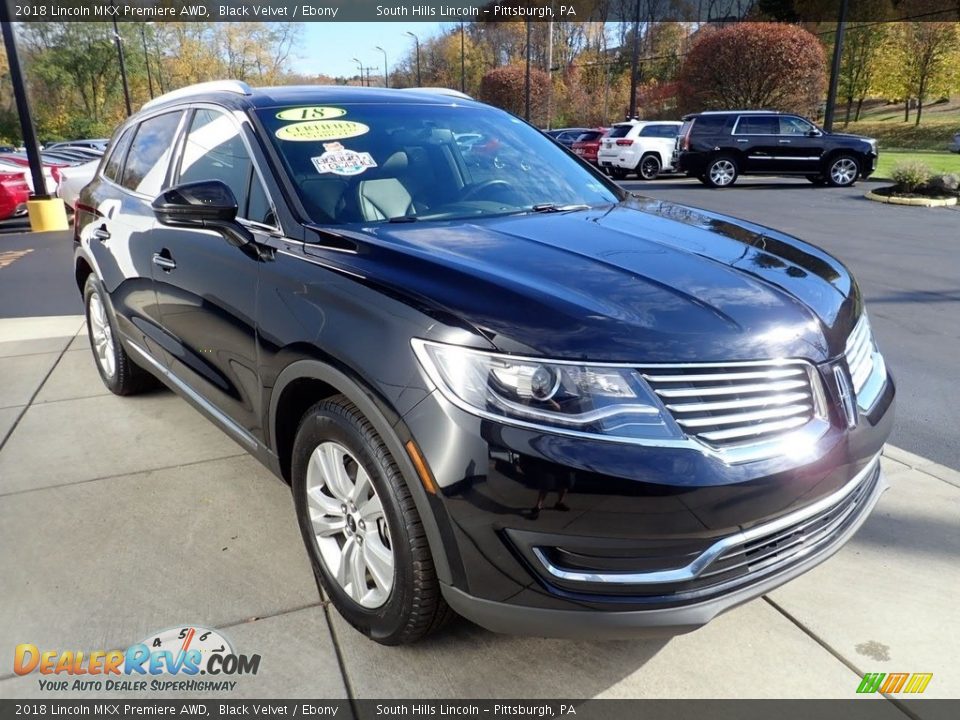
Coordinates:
[403,219]
[553,207]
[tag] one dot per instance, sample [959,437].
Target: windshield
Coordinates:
[362,163]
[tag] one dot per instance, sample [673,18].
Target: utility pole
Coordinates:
[835,67]
[146,57]
[635,62]
[23,107]
[123,65]
[526,88]
[417,41]
[463,73]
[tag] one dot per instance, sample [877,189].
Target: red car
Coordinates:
[588,144]
[14,193]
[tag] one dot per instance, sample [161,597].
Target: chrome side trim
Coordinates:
[229,425]
[703,561]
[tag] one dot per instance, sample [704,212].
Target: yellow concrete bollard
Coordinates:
[46,215]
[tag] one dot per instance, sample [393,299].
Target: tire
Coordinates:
[721,172]
[819,180]
[649,167]
[842,171]
[365,539]
[118,372]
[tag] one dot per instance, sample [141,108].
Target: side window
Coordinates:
[149,156]
[114,165]
[215,151]
[258,204]
[759,125]
[790,125]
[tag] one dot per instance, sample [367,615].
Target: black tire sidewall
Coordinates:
[382,624]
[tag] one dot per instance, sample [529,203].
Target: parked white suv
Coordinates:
[645,148]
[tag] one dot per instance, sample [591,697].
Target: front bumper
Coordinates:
[575,623]
[558,536]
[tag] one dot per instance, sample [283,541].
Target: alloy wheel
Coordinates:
[102,336]
[649,168]
[844,171]
[722,173]
[349,525]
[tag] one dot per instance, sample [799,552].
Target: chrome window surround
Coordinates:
[700,564]
[799,442]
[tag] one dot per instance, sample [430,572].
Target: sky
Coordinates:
[328,48]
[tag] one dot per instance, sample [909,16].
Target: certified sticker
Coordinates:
[340,161]
[311,113]
[316,130]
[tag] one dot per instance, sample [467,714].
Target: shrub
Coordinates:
[753,65]
[946,184]
[910,175]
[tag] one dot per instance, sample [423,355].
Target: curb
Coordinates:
[918,202]
[922,464]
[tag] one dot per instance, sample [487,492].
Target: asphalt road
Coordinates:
[906,259]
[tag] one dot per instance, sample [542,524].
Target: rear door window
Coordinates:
[759,125]
[114,167]
[709,124]
[147,162]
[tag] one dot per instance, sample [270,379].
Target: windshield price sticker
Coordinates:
[318,130]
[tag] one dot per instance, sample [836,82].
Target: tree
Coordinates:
[505,87]
[859,63]
[753,65]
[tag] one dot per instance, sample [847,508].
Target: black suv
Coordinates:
[511,389]
[718,147]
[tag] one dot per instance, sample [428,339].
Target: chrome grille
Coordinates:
[733,403]
[859,353]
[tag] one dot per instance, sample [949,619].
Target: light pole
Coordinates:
[360,65]
[146,57]
[835,68]
[123,65]
[463,73]
[417,41]
[526,88]
[635,61]
[386,72]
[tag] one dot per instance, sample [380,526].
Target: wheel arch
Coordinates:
[306,382]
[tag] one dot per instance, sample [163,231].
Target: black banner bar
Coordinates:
[874,708]
[491,11]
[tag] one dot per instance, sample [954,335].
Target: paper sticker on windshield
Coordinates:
[318,130]
[310,113]
[340,161]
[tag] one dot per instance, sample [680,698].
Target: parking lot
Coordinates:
[123,516]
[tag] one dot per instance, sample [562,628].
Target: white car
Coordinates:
[73,179]
[638,146]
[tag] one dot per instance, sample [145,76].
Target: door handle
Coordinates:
[101,233]
[166,263]
[742,140]
[783,142]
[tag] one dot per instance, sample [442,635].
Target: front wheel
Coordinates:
[361,527]
[843,171]
[649,167]
[721,172]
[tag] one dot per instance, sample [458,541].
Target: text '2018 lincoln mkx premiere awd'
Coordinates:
[497,383]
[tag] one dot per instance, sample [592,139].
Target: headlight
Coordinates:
[607,401]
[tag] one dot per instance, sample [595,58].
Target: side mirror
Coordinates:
[206,204]
[814,133]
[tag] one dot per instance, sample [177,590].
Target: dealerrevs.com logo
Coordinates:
[170,660]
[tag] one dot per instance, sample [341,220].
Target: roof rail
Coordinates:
[441,91]
[232,86]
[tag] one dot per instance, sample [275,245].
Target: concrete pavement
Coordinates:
[120,517]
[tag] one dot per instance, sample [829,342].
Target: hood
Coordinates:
[643,281]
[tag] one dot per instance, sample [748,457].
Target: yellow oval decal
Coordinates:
[314,130]
[310,113]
